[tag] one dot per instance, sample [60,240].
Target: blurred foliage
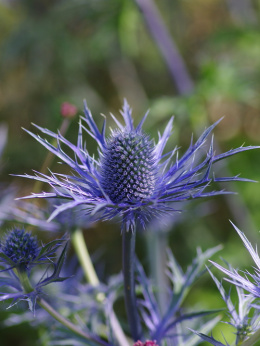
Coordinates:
[57,51]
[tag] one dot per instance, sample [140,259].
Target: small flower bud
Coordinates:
[68,110]
[146,343]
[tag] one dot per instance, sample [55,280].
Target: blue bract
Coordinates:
[132,177]
[243,281]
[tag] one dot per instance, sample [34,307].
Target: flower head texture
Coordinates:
[128,168]
[131,176]
[20,247]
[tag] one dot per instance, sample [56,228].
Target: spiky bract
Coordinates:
[243,281]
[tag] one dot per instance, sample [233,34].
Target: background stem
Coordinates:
[129,236]
[81,250]
[167,46]
[25,282]
[67,323]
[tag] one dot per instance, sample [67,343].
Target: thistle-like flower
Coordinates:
[19,253]
[20,247]
[132,177]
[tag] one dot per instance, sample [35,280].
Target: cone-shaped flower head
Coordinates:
[131,177]
[20,247]
[128,167]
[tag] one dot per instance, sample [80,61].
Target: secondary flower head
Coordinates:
[19,253]
[20,247]
[131,177]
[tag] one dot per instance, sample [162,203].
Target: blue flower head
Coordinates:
[132,177]
[19,253]
[127,167]
[20,247]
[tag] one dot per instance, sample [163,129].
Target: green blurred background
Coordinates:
[103,51]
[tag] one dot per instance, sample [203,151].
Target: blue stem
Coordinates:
[129,235]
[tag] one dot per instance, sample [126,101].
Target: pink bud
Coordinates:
[68,110]
[146,343]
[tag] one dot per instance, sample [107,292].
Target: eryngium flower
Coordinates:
[20,247]
[19,253]
[131,177]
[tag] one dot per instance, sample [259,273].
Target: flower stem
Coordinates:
[25,282]
[129,236]
[69,324]
[81,250]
